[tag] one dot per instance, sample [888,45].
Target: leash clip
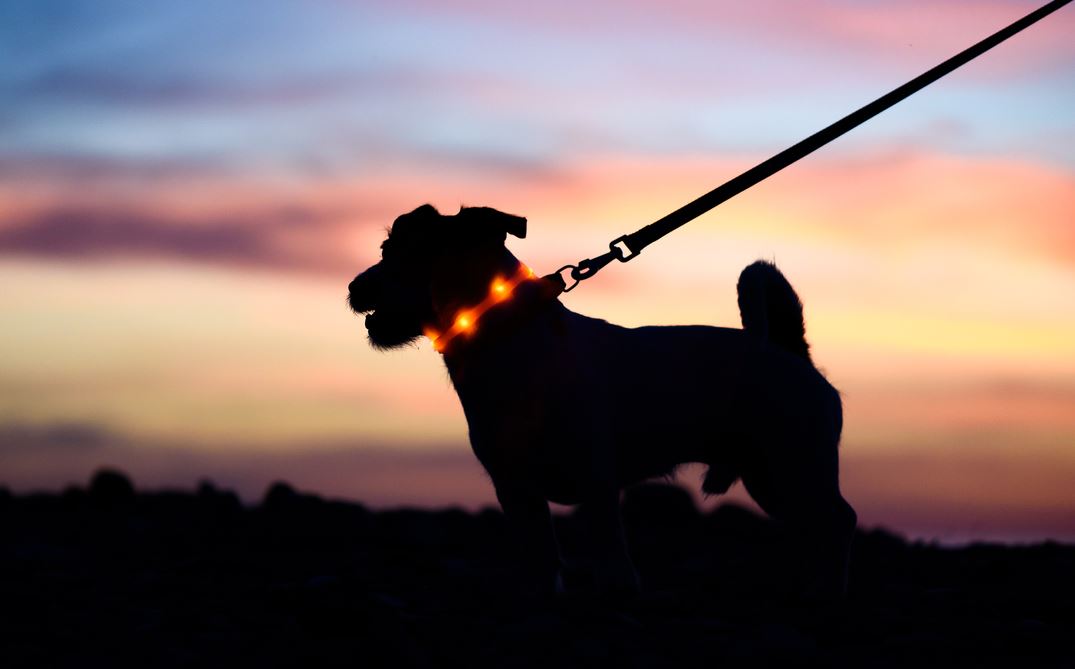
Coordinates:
[621,246]
[590,266]
[558,276]
[618,249]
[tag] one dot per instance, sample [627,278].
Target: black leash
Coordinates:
[627,247]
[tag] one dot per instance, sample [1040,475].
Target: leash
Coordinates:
[627,247]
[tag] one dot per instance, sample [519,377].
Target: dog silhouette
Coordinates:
[566,408]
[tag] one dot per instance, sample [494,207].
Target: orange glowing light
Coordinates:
[466,321]
[500,289]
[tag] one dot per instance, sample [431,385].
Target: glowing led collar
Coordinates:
[466,320]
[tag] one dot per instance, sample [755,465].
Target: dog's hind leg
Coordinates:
[825,533]
[820,520]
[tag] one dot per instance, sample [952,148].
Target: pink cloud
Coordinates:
[918,32]
[878,202]
[912,30]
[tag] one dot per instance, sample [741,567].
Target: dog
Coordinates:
[566,408]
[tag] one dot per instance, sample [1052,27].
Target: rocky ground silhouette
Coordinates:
[110,576]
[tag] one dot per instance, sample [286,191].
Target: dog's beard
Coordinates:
[387,327]
[386,331]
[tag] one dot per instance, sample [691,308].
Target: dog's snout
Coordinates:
[363,290]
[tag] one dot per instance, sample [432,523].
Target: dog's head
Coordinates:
[432,264]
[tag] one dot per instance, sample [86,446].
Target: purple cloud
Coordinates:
[255,240]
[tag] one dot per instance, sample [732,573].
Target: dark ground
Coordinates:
[106,576]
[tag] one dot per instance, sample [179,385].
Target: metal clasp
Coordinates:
[591,266]
[559,274]
[622,249]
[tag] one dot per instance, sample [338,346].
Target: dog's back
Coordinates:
[664,395]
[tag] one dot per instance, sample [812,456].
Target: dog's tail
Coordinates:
[770,309]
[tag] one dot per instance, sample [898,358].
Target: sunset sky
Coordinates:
[186,189]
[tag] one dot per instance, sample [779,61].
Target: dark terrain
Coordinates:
[107,576]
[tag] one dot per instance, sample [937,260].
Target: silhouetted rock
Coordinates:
[282,498]
[279,493]
[215,500]
[301,581]
[111,488]
[74,497]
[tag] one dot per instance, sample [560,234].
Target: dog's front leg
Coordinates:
[609,569]
[531,523]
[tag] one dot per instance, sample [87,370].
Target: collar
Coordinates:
[523,290]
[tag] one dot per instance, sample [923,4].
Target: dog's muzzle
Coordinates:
[363,291]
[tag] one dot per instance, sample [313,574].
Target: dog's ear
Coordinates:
[412,232]
[415,221]
[425,211]
[491,220]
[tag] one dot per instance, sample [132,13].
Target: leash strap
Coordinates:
[627,247]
